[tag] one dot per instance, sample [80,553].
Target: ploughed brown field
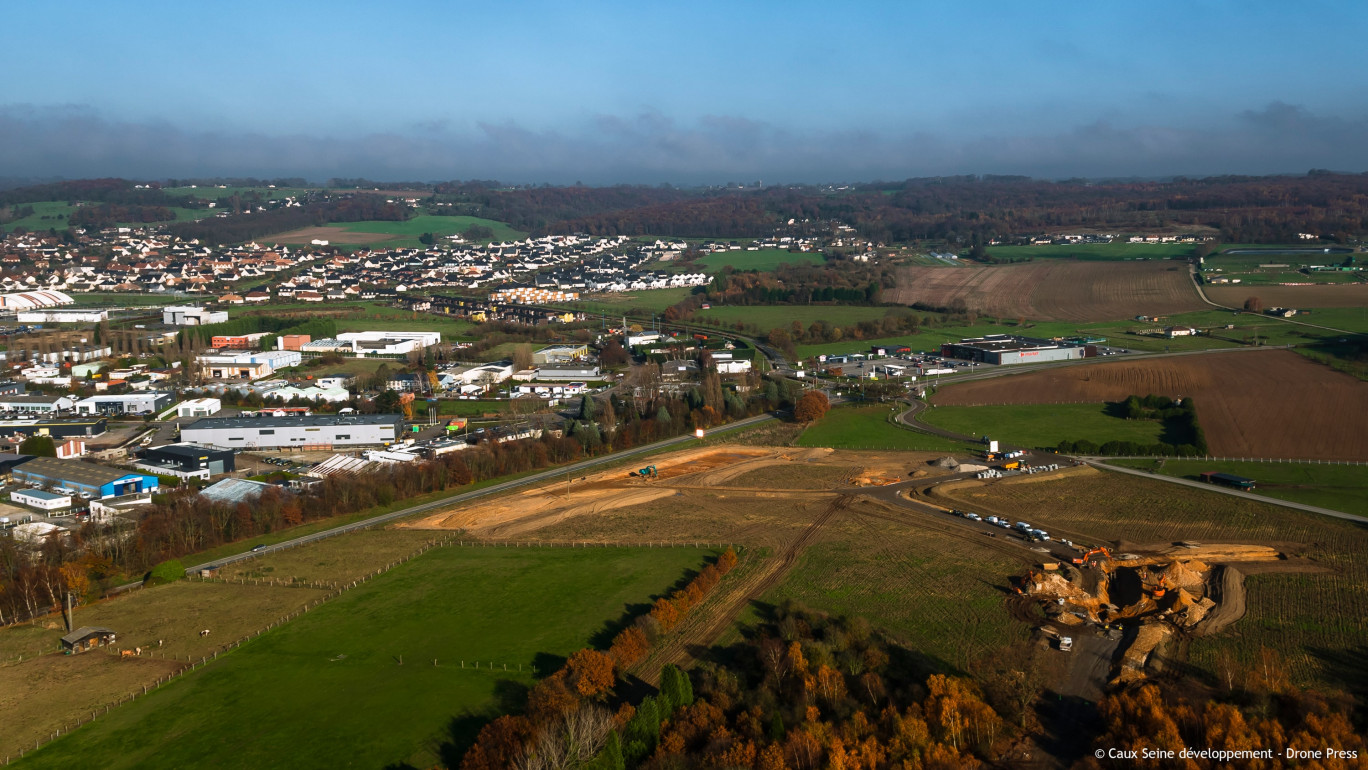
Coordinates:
[1267,403]
[1055,290]
[1325,295]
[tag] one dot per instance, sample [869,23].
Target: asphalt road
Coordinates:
[1097,462]
[544,476]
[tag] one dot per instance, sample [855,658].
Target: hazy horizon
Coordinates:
[708,93]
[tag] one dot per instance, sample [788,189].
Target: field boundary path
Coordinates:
[465,497]
[1198,284]
[909,419]
[1096,462]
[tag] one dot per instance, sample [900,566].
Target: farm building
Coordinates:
[247,366]
[84,427]
[36,403]
[85,479]
[292,341]
[235,490]
[560,354]
[562,373]
[304,432]
[199,407]
[1011,349]
[62,316]
[128,403]
[237,341]
[187,461]
[88,638]
[191,315]
[44,501]
[388,343]
[34,299]
[1227,480]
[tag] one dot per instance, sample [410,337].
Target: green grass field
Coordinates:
[56,214]
[1095,251]
[1125,334]
[1338,487]
[457,408]
[621,302]
[911,584]
[764,259]
[767,317]
[329,690]
[867,427]
[426,223]
[1043,425]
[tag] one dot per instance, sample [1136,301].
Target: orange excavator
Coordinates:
[406,403]
[1087,556]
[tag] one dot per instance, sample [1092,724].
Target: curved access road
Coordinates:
[909,419]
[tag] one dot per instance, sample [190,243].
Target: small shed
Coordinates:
[88,638]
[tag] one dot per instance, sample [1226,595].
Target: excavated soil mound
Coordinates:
[1227,587]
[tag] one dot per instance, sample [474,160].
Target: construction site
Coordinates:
[1142,597]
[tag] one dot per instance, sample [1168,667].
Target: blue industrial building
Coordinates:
[91,481]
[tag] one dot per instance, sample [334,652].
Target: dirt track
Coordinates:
[1272,403]
[1055,290]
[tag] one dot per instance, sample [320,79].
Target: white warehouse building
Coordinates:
[389,343]
[192,315]
[310,432]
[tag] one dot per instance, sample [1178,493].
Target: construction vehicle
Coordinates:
[649,470]
[406,403]
[1011,466]
[1065,643]
[1088,555]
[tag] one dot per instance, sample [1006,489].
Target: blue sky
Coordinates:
[683,92]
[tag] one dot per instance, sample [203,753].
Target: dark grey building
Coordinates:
[189,458]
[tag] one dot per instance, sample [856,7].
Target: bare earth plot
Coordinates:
[1055,290]
[1324,295]
[1262,404]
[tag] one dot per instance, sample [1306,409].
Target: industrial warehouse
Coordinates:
[308,432]
[1011,349]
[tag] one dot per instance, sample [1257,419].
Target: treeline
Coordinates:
[539,208]
[1253,707]
[570,702]
[895,323]
[1179,419]
[116,191]
[963,209]
[109,214]
[250,226]
[316,328]
[720,217]
[802,691]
